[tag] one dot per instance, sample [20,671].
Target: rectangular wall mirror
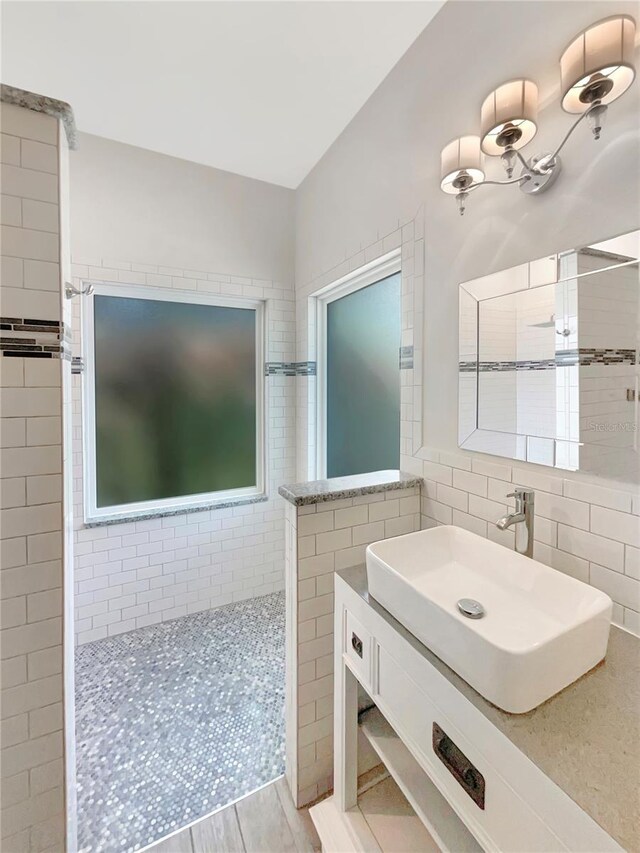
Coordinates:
[549,361]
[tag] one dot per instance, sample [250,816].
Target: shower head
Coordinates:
[550,324]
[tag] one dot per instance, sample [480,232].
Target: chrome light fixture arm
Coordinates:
[597,109]
[517,180]
[543,168]
[505,183]
[462,196]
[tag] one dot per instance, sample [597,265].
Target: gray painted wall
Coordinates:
[386,164]
[133,204]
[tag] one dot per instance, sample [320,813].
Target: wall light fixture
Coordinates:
[595,69]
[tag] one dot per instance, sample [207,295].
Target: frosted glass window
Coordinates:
[363,380]
[175,399]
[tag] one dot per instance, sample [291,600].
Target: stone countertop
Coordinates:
[586,738]
[336,488]
[43,104]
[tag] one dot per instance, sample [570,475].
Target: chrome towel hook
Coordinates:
[70,290]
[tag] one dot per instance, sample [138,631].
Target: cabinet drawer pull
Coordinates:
[457,763]
[356,644]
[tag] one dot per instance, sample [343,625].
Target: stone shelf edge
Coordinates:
[339,488]
[43,104]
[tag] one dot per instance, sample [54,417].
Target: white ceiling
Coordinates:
[257,88]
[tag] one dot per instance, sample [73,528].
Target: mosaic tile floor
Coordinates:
[176,720]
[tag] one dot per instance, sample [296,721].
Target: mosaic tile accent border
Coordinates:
[608,356]
[33,338]
[406,358]
[310,368]
[280,368]
[16,324]
[500,366]
[307,368]
[290,368]
[567,357]
[564,358]
[506,366]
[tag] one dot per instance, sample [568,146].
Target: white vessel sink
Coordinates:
[541,629]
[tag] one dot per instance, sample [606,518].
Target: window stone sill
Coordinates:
[165,513]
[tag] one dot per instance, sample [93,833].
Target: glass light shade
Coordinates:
[508,116]
[459,159]
[601,54]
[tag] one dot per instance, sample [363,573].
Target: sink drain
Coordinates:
[471,608]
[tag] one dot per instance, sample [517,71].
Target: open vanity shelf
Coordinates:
[383,819]
[467,782]
[398,810]
[443,824]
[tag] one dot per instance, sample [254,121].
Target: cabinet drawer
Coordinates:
[485,802]
[358,648]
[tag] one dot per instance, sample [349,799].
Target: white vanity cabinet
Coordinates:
[469,784]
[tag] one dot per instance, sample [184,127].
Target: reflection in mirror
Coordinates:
[548,365]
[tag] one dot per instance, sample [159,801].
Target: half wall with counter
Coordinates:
[328,525]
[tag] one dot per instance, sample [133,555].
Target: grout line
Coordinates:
[244,843]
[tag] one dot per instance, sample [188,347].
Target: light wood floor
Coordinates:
[393,822]
[264,822]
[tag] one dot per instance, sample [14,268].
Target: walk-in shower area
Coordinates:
[177,720]
[179,437]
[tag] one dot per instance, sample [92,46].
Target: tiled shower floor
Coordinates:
[176,720]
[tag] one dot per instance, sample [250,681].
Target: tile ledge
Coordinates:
[43,104]
[338,488]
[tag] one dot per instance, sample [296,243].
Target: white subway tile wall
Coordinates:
[583,526]
[31,579]
[576,529]
[573,533]
[133,574]
[138,573]
[322,539]
[608,319]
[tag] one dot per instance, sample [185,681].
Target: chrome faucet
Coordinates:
[522,519]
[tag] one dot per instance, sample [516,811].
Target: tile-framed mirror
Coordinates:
[549,360]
